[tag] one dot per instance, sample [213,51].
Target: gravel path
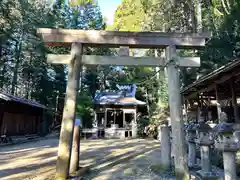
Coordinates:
[135,159]
[27,160]
[141,167]
[36,160]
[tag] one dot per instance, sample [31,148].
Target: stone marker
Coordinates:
[165,147]
[191,138]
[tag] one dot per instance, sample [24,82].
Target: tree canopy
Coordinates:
[24,71]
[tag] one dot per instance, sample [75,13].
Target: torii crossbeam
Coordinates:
[78,39]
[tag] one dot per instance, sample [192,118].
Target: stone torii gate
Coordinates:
[78,39]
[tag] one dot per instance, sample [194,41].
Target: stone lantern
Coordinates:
[227,144]
[205,141]
[165,146]
[191,138]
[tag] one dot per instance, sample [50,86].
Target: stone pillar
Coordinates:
[227,144]
[159,133]
[165,147]
[180,155]
[134,126]
[229,162]
[205,142]
[191,137]
[69,112]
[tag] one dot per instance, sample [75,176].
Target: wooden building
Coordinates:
[214,93]
[116,112]
[19,116]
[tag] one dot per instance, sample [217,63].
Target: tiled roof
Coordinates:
[116,98]
[202,80]
[8,97]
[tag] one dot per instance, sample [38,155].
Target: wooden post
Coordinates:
[180,156]
[105,118]
[199,109]
[74,161]
[114,116]
[66,134]
[134,124]
[124,121]
[95,122]
[217,103]
[208,108]
[234,101]
[74,165]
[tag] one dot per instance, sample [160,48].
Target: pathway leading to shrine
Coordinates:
[109,159]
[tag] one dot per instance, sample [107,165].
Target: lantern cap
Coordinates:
[191,126]
[224,128]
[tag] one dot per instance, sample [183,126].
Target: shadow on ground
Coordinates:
[37,160]
[131,166]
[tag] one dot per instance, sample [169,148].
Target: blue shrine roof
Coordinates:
[124,96]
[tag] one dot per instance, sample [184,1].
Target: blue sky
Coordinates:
[108,8]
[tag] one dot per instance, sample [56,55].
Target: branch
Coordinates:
[224,7]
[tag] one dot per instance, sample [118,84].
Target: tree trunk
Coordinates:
[15,71]
[198,14]
[147,102]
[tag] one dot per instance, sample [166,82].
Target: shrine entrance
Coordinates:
[78,39]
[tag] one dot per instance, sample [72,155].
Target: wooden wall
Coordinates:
[19,119]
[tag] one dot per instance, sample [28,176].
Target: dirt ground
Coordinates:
[108,159]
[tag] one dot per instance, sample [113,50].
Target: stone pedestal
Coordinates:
[229,161]
[206,168]
[205,142]
[191,154]
[205,158]
[191,137]
[165,147]
[227,144]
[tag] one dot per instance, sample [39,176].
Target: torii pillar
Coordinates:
[69,113]
[178,144]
